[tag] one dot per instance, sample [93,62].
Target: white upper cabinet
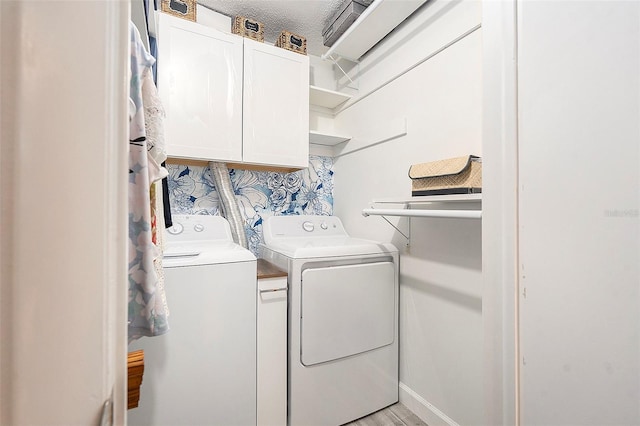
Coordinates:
[276,106]
[230,98]
[200,84]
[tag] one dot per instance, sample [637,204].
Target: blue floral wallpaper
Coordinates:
[259,194]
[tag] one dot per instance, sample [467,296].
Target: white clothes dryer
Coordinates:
[203,371]
[342,319]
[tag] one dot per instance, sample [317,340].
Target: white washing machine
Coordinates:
[342,319]
[203,371]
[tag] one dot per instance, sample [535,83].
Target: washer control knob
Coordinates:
[308,226]
[176,229]
[198,227]
[324,226]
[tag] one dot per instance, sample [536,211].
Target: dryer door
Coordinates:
[346,310]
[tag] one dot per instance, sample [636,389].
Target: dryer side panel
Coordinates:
[346,310]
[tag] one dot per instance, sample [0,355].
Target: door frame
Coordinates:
[500,212]
[63,211]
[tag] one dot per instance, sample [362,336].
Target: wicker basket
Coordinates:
[135,371]
[248,28]
[459,175]
[294,42]
[185,9]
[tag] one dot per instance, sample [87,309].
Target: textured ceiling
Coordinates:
[303,17]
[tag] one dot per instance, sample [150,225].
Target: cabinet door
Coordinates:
[200,84]
[276,106]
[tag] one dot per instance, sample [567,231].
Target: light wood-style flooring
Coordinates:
[395,415]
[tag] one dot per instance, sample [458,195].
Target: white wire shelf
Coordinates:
[455,206]
[453,214]
[430,199]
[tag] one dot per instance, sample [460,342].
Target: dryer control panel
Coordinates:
[302,226]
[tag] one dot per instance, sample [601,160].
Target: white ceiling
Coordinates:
[303,17]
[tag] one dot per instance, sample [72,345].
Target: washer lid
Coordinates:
[205,253]
[201,240]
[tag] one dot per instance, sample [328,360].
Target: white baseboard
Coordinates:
[422,408]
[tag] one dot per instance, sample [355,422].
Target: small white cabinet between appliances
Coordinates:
[271,334]
[231,99]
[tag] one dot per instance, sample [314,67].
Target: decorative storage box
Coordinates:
[343,20]
[185,9]
[459,175]
[293,42]
[248,28]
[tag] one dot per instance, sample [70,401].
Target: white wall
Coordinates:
[434,25]
[440,302]
[63,177]
[579,165]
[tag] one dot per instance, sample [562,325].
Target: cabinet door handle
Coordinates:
[272,289]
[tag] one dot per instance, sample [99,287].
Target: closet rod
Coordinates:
[457,214]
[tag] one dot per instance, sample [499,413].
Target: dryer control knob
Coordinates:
[308,226]
[198,227]
[324,226]
[176,229]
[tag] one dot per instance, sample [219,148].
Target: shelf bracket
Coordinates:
[407,237]
[340,68]
[401,233]
[335,62]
